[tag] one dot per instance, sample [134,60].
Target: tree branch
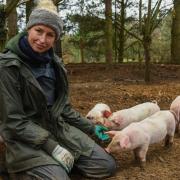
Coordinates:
[10,6]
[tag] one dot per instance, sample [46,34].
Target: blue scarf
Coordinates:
[42,68]
[33,57]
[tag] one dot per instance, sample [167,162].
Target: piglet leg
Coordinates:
[168,141]
[136,155]
[142,155]
[178,128]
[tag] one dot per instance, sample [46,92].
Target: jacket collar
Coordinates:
[10,59]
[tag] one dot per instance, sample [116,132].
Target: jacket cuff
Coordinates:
[92,130]
[49,146]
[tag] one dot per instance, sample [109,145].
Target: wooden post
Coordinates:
[3,30]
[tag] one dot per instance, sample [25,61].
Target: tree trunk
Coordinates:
[3,30]
[58,46]
[175,34]
[147,42]
[147,56]
[108,31]
[12,23]
[5,11]
[82,50]
[115,32]
[29,7]
[121,33]
[140,27]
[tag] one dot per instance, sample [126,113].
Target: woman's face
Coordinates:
[41,38]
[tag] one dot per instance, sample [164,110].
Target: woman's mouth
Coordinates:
[40,46]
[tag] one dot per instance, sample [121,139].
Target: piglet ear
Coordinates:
[106,113]
[111,133]
[107,150]
[124,142]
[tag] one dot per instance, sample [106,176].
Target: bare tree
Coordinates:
[149,23]
[175,34]
[12,22]
[5,11]
[147,40]
[121,32]
[140,27]
[108,31]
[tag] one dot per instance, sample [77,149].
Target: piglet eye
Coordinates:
[89,117]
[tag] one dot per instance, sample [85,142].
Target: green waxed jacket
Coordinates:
[29,130]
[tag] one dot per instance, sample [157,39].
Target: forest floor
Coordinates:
[122,86]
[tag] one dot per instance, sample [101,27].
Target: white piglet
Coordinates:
[120,119]
[175,107]
[99,113]
[138,136]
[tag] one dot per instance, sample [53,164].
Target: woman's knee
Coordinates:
[50,172]
[110,165]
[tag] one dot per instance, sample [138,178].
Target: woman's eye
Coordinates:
[50,35]
[38,30]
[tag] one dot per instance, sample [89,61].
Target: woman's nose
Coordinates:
[43,38]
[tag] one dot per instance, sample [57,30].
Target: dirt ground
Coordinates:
[122,86]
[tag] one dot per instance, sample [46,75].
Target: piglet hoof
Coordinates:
[178,134]
[168,145]
[177,131]
[142,165]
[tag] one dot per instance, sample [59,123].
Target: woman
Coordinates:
[44,136]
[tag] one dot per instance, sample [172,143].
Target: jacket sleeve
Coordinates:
[74,118]
[15,124]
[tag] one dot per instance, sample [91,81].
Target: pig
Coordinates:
[175,107]
[120,119]
[139,135]
[99,113]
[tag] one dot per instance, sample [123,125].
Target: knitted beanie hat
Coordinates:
[46,14]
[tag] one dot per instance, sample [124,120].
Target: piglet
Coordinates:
[139,135]
[175,107]
[121,119]
[99,113]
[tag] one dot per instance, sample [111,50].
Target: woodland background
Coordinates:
[107,31]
